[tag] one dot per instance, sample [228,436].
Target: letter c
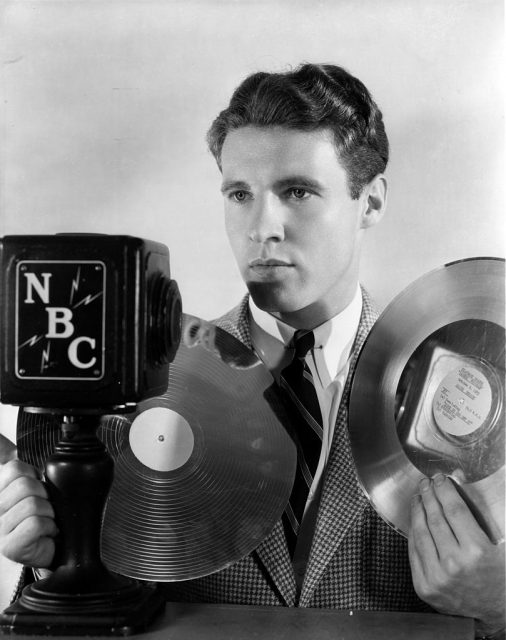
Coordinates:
[72,352]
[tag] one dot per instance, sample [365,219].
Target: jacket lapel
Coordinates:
[275,559]
[342,499]
[236,322]
[272,553]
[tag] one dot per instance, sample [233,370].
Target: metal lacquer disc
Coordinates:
[428,394]
[202,473]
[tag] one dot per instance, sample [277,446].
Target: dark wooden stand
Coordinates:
[81,596]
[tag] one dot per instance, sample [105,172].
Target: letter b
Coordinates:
[59,316]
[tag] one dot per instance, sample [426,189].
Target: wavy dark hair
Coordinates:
[309,98]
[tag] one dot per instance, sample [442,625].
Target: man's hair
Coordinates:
[311,98]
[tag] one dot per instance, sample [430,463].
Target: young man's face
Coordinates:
[293,227]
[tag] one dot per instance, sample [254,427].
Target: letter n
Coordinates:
[32,282]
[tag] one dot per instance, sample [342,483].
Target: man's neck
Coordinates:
[333,338]
[315,314]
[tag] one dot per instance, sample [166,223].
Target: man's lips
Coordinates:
[269,269]
[264,263]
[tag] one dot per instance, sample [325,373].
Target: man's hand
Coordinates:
[27,524]
[456,568]
[7,450]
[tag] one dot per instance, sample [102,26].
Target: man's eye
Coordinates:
[239,196]
[298,193]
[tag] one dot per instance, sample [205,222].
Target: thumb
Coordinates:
[7,450]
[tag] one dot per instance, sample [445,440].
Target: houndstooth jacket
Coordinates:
[356,561]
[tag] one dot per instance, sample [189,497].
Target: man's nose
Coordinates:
[267,221]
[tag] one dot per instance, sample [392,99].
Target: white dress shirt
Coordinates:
[329,366]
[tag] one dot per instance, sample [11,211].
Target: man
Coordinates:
[302,156]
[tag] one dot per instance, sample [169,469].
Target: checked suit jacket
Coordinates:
[356,561]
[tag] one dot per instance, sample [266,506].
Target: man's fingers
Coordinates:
[31,506]
[18,489]
[35,527]
[420,540]
[417,566]
[31,542]
[439,527]
[456,512]
[14,469]
[7,450]
[27,525]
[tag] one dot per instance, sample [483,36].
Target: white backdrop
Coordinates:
[105,107]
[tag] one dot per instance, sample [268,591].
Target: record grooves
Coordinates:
[202,474]
[428,394]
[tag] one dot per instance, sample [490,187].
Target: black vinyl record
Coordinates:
[428,394]
[202,473]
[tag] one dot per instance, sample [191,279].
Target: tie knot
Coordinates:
[302,341]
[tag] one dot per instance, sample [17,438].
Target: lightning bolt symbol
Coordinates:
[87,299]
[75,284]
[45,357]
[31,341]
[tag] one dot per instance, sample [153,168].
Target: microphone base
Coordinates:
[125,608]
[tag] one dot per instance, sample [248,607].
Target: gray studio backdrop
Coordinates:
[105,107]
[105,104]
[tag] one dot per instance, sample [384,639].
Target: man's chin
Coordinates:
[272,298]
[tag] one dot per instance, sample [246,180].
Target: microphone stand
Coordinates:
[81,596]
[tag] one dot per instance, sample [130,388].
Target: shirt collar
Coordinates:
[335,337]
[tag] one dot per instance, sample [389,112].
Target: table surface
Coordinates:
[184,621]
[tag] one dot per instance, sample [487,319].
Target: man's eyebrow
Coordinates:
[238,185]
[299,181]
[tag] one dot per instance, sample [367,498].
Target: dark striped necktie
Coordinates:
[304,409]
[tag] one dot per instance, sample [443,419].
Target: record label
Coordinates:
[462,401]
[161,439]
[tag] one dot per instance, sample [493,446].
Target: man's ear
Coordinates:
[375,201]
